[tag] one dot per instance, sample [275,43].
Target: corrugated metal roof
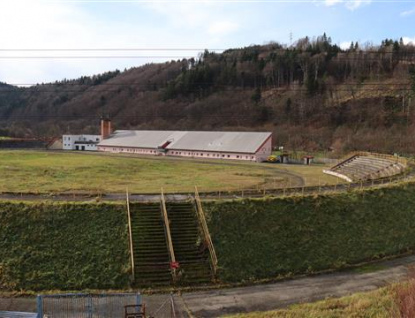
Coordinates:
[240,142]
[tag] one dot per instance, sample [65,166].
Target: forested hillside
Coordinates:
[313,95]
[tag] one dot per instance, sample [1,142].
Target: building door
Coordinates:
[83,148]
[76,147]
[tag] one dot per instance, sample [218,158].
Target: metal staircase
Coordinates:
[151,257]
[190,251]
[170,243]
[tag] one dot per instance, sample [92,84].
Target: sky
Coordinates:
[49,40]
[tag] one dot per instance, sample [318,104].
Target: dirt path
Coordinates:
[219,302]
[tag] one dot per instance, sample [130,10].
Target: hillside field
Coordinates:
[71,246]
[52,172]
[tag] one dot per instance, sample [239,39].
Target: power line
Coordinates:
[210,50]
[236,90]
[97,57]
[406,58]
[390,88]
[37,85]
[256,48]
[222,1]
[226,88]
[104,49]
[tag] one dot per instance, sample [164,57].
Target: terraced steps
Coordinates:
[151,255]
[151,258]
[366,167]
[189,251]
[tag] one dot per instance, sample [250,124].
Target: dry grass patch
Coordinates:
[379,303]
[46,172]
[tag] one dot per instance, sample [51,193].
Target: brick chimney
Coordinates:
[105,128]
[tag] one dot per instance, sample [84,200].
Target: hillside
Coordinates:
[313,95]
[71,246]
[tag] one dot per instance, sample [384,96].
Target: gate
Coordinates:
[85,305]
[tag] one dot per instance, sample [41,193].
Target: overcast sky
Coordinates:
[129,24]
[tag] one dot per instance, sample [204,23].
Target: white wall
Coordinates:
[180,153]
[212,155]
[69,142]
[265,151]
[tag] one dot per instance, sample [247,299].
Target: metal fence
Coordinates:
[85,305]
[304,190]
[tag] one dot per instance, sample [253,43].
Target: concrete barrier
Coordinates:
[338,175]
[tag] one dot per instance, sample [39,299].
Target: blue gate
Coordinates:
[85,305]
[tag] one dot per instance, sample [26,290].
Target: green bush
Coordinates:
[63,246]
[257,239]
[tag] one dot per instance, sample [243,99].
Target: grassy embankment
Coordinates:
[51,172]
[63,246]
[265,239]
[78,246]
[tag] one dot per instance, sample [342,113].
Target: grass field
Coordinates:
[49,172]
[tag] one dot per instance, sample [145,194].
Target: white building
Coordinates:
[250,146]
[81,142]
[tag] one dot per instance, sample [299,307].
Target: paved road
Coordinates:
[308,289]
[215,303]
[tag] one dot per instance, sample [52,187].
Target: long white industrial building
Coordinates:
[251,146]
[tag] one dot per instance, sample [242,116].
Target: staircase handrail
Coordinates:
[130,234]
[205,230]
[168,234]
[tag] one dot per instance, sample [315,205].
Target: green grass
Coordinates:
[266,239]
[313,175]
[68,246]
[370,268]
[63,246]
[376,304]
[46,172]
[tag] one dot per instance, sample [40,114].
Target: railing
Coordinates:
[305,190]
[168,235]
[86,305]
[205,232]
[130,234]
